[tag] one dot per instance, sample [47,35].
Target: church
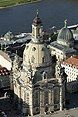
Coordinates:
[39,85]
[64,46]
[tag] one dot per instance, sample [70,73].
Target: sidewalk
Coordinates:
[64,113]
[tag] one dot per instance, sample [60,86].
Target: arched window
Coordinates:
[32,59]
[26,97]
[43,49]
[36,98]
[44,75]
[43,60]
[38,31]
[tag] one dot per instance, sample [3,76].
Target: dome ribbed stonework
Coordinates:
[65,37]
[38,55]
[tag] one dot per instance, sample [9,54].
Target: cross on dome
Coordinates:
[65,22]
[37,13]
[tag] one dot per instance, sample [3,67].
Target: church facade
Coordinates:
[37,88]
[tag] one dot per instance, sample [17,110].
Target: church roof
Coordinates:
[65,36]
[37,20]
[38,55]
[63,48]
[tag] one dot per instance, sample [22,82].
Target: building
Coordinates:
[36,89]
[75,35]
[64,46]
[71,69]
[11,43]
[4,80]
[5,60]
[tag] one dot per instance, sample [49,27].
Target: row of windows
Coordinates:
[60,53]
[71,72]
[34,48]
[71,78]
[33,59]
[45,99]
[26,97]
[70,66]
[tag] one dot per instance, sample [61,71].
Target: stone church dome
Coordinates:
[38,55]
[65,36]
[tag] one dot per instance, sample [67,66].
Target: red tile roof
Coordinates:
[73,60]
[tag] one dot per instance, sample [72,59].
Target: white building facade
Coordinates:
[5,60]
[71,69]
